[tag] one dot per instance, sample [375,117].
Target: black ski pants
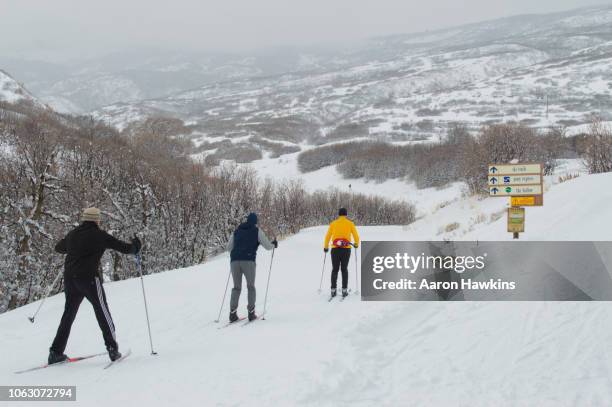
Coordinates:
[75,290]
[340,259]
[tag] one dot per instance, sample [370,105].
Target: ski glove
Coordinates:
[275,243]
[325,249]
[136,244]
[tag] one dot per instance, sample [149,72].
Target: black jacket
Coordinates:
[84,247]
[245,243]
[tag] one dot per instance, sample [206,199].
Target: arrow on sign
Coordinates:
[493,180]
[493,170]
[495,191]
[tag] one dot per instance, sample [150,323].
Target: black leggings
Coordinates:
[76,290]
[340,259]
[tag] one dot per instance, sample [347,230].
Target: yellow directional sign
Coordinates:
[536,200]
[516,220]
[515,190]
[497,180]
[515,169]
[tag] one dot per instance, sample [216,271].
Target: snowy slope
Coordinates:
[310,352]
[579,209]
[436,207]
[11,91]
[425,200]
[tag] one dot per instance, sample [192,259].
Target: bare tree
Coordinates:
[598,154]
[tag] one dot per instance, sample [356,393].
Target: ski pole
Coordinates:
[224,294]
[263,316]
[46,295]
[356,271]
[322,272]
[144,296]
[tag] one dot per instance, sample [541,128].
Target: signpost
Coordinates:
[523,183]
[515,169]
[516,220]
[521,190]
[536,200]
[501,180]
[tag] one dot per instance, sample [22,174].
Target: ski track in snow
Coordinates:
[311,352]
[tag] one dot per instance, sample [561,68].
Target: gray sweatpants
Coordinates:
[239,268]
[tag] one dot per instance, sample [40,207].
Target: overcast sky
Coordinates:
[73,27]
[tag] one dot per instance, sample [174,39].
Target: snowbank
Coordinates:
[579,209]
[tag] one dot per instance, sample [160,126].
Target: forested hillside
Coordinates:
[52,166]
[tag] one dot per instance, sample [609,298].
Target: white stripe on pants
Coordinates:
[109,320]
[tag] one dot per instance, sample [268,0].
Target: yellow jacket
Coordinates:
[341,228]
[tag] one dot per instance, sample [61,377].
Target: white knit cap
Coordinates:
[91,215]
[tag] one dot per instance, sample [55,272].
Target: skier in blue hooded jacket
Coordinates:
[243,246]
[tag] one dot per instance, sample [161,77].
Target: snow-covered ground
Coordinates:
[11,91]
[311,352]
[574,210]
[426,200]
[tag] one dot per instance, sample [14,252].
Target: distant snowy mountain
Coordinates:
[540,70]
[11,91]
[536,69]
[83,85]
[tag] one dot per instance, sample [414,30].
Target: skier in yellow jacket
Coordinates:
[340,233]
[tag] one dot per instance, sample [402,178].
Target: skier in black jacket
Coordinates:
[83,247]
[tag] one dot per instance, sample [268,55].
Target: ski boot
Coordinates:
[252,315]
[333,292]
[344,292]
[233,316]
[113,353]
[55,357]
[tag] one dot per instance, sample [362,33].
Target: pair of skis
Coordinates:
[77,359]
[342,298]
[241,321]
